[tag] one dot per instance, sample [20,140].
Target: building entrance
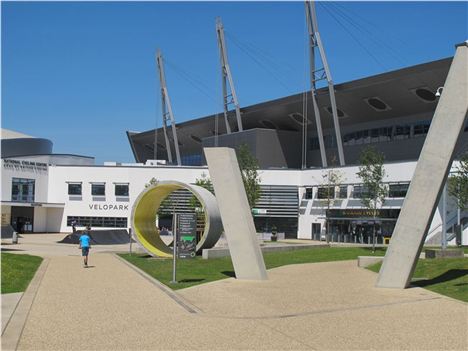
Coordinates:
[22,219]
[356,225]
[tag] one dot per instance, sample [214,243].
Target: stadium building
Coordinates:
[45,192]
[298,140]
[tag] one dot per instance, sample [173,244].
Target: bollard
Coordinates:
[14,238]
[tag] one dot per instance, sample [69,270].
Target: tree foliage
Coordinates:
[205,182]
[331,179]
[372,174]
[248,165]
[458,183]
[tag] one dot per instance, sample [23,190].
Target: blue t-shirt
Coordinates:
[84,240]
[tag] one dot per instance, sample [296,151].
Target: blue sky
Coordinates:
[82,73]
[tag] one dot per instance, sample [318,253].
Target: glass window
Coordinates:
[326,192]
[22,189]
[402,132]
[349,138]
[316,228]
[74,188]
[98,189]
[110,222]
[359,191]
[314,144]
[121,189]
[308,193]
[421,128]
[121,222]
[397,190]
[343,192]
[385,133]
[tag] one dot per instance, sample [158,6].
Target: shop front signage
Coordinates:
[356,213]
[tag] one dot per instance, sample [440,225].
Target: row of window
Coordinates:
[108,222]
[375,135]
[23,190]
[397,190]
[98,189]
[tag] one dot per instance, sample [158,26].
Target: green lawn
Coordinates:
[447,276]
[199,271]
[17,271]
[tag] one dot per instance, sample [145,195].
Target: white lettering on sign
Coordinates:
[108,207]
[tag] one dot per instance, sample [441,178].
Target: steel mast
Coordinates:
[321,74]
[167,112]
[229,95]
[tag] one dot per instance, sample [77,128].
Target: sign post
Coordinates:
[174,248]
[130,238]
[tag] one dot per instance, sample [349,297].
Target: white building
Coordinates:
[46,196]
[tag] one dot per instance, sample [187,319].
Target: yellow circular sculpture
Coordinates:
[143,219]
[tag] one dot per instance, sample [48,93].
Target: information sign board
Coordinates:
[187,235]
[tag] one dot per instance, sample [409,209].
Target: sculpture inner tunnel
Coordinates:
[145,209]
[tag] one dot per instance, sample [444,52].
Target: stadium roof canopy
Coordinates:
[404,92]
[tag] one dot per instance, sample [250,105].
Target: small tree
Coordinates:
[458,183]
[205,182]
[372,173]
[331,180]
[152,181]
[248,165]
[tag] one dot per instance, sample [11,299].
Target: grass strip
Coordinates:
[17,271]
[198,271]
[446,276]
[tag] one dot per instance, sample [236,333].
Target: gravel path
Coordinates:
[302,307]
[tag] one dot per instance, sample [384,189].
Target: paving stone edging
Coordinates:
[189,307]
[15,326]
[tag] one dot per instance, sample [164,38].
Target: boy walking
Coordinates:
[85,245]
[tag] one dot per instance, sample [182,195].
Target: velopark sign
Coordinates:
[108,207]
[362,213]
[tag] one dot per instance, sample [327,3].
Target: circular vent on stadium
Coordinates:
[425,94]
[339,112]
[196,139]
[269,124]
[377,104]
[298,118]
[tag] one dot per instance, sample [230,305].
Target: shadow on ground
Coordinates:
[191,280]
[444,277]
[229,274]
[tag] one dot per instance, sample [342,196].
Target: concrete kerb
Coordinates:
[15,326]
[168,291]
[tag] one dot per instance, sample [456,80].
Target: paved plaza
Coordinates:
[319,306]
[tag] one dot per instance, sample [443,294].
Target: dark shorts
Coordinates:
[84,251]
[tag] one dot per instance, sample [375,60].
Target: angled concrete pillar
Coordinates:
[429,177]
[239,227]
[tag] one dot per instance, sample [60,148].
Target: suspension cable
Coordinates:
[354,38]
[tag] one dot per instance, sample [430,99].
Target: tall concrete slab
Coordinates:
[429,177]
[239,227]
